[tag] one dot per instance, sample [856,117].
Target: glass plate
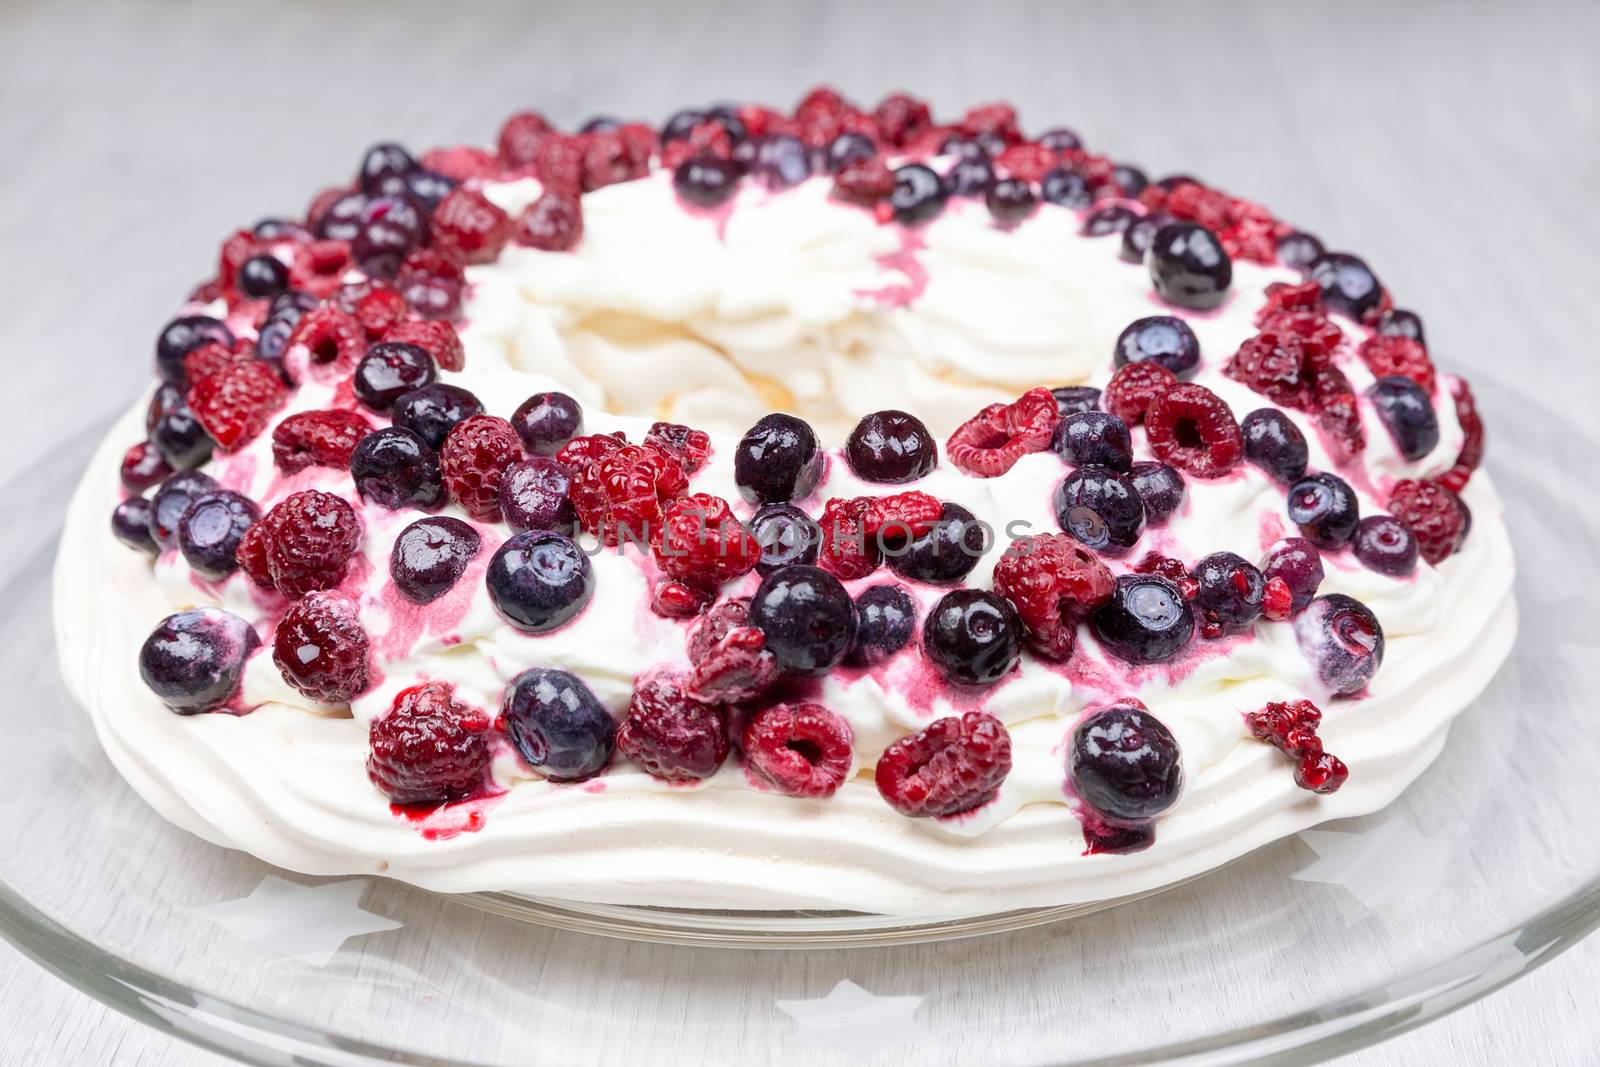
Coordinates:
[1485,868]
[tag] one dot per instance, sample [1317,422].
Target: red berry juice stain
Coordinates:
[904,259]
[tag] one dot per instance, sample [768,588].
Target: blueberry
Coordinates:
[283,315]
[1132,179]
[1125,764]
[171,499]
[430,556]
[1138,235]
[886,618]
[600,124]
[194,660]
[706,181]
[778,459]
[342,219]
[1402,323]
[681,123]
[390,370]
[891,448]
[1071,399]
[1344,641]
[1386,544]
[175,431]
[130,524]
[432,411]
[947,553]
[968,176]
[263,276]
[781,161]
[180,337]
[1299,250]
[380,164]
[963,147]
[539,580]
[919,194]
[557,725]
[1348,284]
[1100,507]
[1188,266]
[547,421]
[1326,510]
[1172,181]
[1161,489]
[1145,621]
[1162,339]
[395,468]
[1299,564]
[1407,413]
[786,535]
[806,618]
[1060,139]
[1068,188]
[274,229]
[535,494]
[1228,593]
[425,188]
[1108,220]
[210,530]
[389,228]
[1275,444]
[972,637]
[848,148]
[1094,437]
[1010,200]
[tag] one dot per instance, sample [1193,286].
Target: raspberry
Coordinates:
[521,137]
[800,750]
[1277,601]
[731,662]
[325,337]
[1029,162]
[690,447]
[1246,230]
[997,120]
[1435,515]
[377,308]
[760,121]
[1134,385]
[703,544]
[235,250]
[1471,454]
[1053,582]
[864,182]
[317,439]
[317,266]
[474,459]
[1337,413]
[1292,729]
[1320,772]
[822,116]
[559,164]
[461,162]
[902,516]
[581,451]
[236,403]
[708,138]
[1389,356]
[1193,429]
[900,119]
[322,650]
[552,223]
[302,545]
[1273,363]
[431,281]
[470,228]
[438,339]
[1173,570]
[847,550]
[611,156]
[953,765]
[991,442]
[430,748]
[670,735]
[1287,297]
[679,600]
[620,495]
[206,359]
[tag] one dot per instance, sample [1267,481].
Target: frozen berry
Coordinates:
[1125,764]
[438,339]
[621,491]
[432,411]
[1434,513]
[210,531]
[388,371]
[1407,412]
[972,637]
[539,580]
[557,725]
[547,421]
[143,467]
[670,735]
[130,524]
[1348,285]
[552,223]
[945,554]
[1068,188]
[781,161]
[800,750]
[389,228]
[779,459]
[1299,250]
[864,182]
[1325,509]
[849,549]
[394,468]
[1161,489]
[806,616]
[322,650]
[180,337]
[474,458]
[430,556]
[991,442]
[317,439]
[1054,583]
[1387,356]
[848,148]
[886,618]
[171,499]
[1188,266]
[1398,322]
[786,535]
[469,227]
[1344,641]
[1297,563]
[1100,507]
[1107,221]
[1094,437]
[1163,339]
[729,655]
[325,343]
[703,543]
[706,181]
[1386,545]
[1134,387]
[1228,594]
[969,175]
[1275,444]
[1193,429]
[340,218]
[194,660]
[891,448]
[429,748]
[304,543]
[1138,235]
[535,494]
[237,403]
[919,194]
[262,277]
[380,165]
[953,765]
[1071,399]
[1010,200]
[1147,619]
[690,447]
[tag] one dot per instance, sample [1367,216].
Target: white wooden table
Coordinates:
[1458,147]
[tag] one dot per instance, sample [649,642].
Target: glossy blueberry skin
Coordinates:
[547,421]
[1299,250]
[1188,266]
[130,524]
[1071,399]
[1398,322]
[706,181]
[275,229]
[1275,444]
[947,553]
[967,176]
[1108,220]
[180,337]
[430,556]
[886,619]
[395,468]
[171,499]
[1407,413]
[1387,545]
[535,495]
[919,194]
[557,725]
[1145,621]
[1299,564]
[972,637]
[1348,284]
[681,123]
[1060,139]
[282,316]
[1343,639]
[1138,234]
[539,580]
[1229,591]
[1326,510]
[779,459]
[1132,179]
[193,661]
[1094,437]
[781,161]
[426,188]
[176,433]
[847,148]
[1125,764]
[380,163]
[389,227]
[600,124]
[786,535]
[1100,507]
[963,147]
[1068,188]
[389,371]
[342,220]
[806,618]
[1163,339]
[210,531]
[263,276]
[891,448]
[143,468]
[432,411]
[1161,489]
[1010,200]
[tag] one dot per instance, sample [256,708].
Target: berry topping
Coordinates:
[237,403]
[182,336]
[474,458]
[1161,489]
[991,442]
[325,338]
[690,447]
[1067,188]
[210,531]
[1398,322]
[321,649]
[172,499]
[1277,601]
[1386,545]
[972,637]
[1162,339]
[130,524]
[431,283]
[901,119]
[781,161]
[1292,729]
[730,657]
[1193,429]
[619,495]
[434,410]
[918,195]
[207,359]
[1094,437]
[430,556]
[670,735]
[807,618]
[557,725]
[1299,250]
[1100,507]
[262,277]
[886,618]
[1071,399]
[891,448]
[1325,508]
[438,339]
[546,422]
[1010,200]
[703,544]
[848,148]
[1348,285]
[1131,179]
[1434,513]
[800,750]
[317,439]
[786,535]
[338,218]
[778,459]
[849,549]
[1108,220]
[1228,594]
[380,165]
[1343,639]
[1407,413]
[1297,563]
[143,467]
[535,494]
[194,660]
[1134,387]
[1125,764]
[466,225]
[1053,582]
[971,175]
[951,766]
[539,580]
[1139,234]
[706,181]
[1471,453]
[864,182]
[1387,355]
[1188,266]
[394,468]
[942,555]
[430,748]
[1147,619]
[390,370]
[552,223]
[388,229]
[302,545]
[174,431]
[521,137]
[1275,444]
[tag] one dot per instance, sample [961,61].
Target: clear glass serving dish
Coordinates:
[1486,867]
